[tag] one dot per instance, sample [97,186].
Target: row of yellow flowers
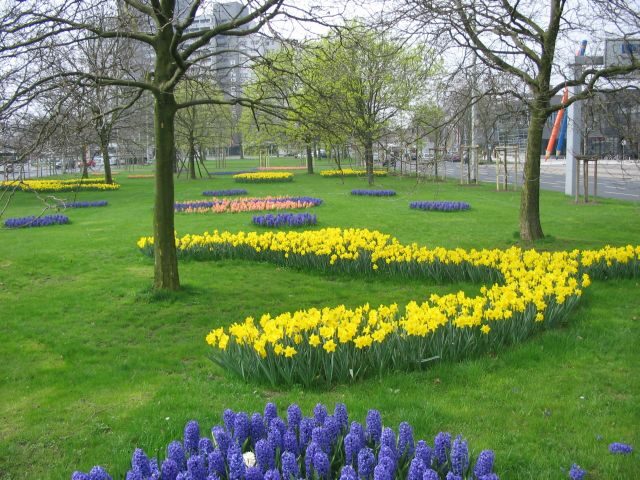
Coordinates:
[59,185]
[524,290]
[263,177]
[350,172]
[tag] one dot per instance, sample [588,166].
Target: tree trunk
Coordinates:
[192,157]
[85,166]
[104,149]
[309,160]
[165,257]
[530,227]
[368,159]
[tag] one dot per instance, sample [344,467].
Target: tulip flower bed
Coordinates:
[285,220]
[264,177]
[350,172]
[225,193]
[32,221]
[323,446]
[98,203]
[248,204]
[85,184]
[374,193]
[524,292]
[440,206]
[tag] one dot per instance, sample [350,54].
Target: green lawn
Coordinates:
[96,364]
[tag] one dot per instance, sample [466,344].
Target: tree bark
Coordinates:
[530,226]
[165,256]
[192,157]
[309,160]
[368,159]
[104,149]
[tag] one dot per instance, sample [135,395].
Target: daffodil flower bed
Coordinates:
[75,184]
[350,172]
[524,291]
[247,204]
[320,447]
[263,177]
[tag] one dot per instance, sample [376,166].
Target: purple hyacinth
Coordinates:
[332,427]
[285,219]
[388,438]
[366,463]
[169,470]
[416,469]
[319,413]
[197,468]
[380,472]
[290,469]
[306,429]
[294,416]
[423,451]
[388,463]
[308,458]
[489,476]
[321,465]
[443,206]
[229,419]
[576,473]
[272,475]
[183,476]
[357,430]
[430,475]
[254,473]
[79,476]
[235,462]
[225,193]
[217,464]
[442,445]
[622,448]
[176,453]
[222,439]
[320,435]
[98,203]
[405,441]
[265,454]
[348,473]
[374,193]
[191,436]
[389,455]
[241,427]
[134,475]
[257,429]
[484,464]
[374,426]
[290,442]
[453,476]
[155,470]
[99,473]
[270,412]
[341,415]
[205,446]
[140,463]
[352,446]
[32,221]
[274,437]
[459,456]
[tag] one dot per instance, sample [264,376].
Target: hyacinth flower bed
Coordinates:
[98,203]
[374,193]
[84,184]
[350,172]
[443,206]
[224,193]
[285,220]
[44,221]
[264,177]
[248,204]
[524,291]
[323,447]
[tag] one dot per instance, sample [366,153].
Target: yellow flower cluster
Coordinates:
[533,282]
[266,177]
[350,172]
[60,185]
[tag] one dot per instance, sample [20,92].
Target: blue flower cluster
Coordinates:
[441,206]
[374,193]
[576,473]
[225,193]
[32,221]
[320,447]
[98,203]
[621,448]
[285,219]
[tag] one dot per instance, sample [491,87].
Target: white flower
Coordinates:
[249,459]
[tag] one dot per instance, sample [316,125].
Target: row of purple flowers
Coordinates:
[443,206]
[285,219]
[182,206]
[32,221]
[323,446]
[374,193]
[98,203]
[224,193]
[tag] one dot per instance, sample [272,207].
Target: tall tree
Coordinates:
[522,39]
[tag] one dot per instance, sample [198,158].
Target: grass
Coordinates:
[96,364]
